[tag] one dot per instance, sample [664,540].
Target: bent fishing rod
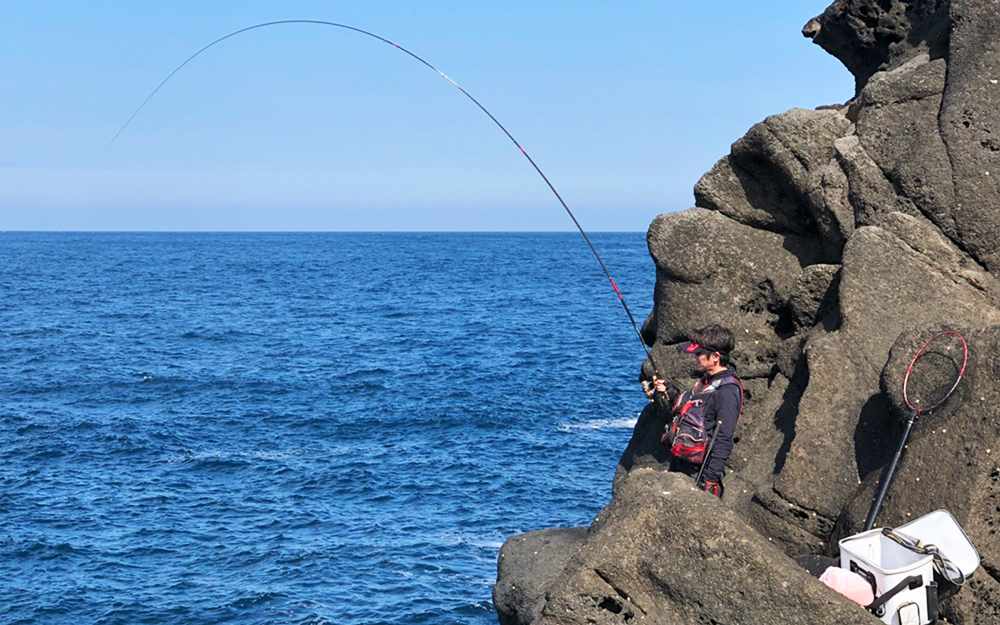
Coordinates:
[552,187]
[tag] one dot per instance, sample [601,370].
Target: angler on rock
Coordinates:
[700,432]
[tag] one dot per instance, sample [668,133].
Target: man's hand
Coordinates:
[711,487]
[652,388]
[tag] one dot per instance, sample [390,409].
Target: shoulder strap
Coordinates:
[944,566]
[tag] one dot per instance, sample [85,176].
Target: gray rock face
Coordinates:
[832,242]
[527,566]
[876,35]
[662,551]
[772,178]
[970,126]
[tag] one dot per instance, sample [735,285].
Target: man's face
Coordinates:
[706,360]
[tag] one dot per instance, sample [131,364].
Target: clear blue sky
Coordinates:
[624,105]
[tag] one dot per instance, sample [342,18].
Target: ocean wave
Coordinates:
[239,457]
[613,423]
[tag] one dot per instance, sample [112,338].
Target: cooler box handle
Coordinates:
[910,583]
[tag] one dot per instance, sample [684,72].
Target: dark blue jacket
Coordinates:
[721,408]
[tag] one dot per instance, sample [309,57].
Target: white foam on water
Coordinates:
[478,541]
[600,424]
[190,455]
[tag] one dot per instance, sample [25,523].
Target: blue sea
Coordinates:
[335,428]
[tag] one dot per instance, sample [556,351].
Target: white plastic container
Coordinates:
[888,564]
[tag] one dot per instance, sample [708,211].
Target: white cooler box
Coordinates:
[905,590]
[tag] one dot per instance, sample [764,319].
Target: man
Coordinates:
[710,410]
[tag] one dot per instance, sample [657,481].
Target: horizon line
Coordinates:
[568,231]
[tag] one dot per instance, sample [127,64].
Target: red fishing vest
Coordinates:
[687,433]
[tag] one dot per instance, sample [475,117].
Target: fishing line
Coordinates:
[552,187]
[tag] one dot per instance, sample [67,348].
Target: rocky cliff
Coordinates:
[832,242]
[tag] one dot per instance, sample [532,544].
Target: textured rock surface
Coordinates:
[772,178]
[527,566]
[833,242]
[970,126]
[663,552]
[874,35]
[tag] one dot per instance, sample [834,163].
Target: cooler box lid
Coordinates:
[939,528]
